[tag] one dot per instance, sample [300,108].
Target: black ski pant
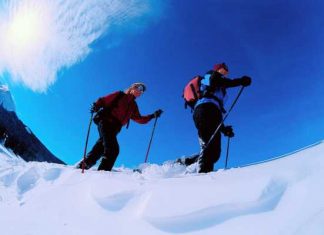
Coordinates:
[106,147]
[207,118]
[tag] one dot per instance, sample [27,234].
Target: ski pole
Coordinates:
[227,151]
[86,143]
[149,146]
[223,120]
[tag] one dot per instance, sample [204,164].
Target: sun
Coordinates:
[26,28]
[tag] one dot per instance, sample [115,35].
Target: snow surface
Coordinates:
[283,196]
[6,99]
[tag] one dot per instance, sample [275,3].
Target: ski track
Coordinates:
[115,202]
[52,174]
[27,181]
[8,179]
[23,180]
[211,216]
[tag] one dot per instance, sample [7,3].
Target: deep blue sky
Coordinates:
[278,43]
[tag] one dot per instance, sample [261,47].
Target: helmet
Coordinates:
[220,66]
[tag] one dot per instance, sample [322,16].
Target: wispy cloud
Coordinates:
[38,38]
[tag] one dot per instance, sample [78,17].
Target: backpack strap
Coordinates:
[193,91]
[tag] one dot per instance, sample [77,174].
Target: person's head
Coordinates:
[221,68]
[136,89]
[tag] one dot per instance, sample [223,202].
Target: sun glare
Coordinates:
[26,29]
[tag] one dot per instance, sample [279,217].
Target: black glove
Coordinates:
[94,108]
[157,113]
[245,81]
[228,131]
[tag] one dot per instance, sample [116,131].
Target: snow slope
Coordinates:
[6,99]
[284,196]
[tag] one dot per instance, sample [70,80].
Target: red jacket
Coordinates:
[126,108]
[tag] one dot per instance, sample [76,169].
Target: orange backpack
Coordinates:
[192,92]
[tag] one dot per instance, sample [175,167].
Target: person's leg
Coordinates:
[110,145]
[94,155]
[210,155]
[207,117]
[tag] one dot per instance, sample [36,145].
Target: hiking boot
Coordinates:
[79,165]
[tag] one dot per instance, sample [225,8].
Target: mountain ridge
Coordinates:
[17,136]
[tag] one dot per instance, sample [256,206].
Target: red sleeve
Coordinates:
[137,117]
[106,100]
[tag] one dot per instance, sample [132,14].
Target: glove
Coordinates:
[94,108]
[157,113]
[228,131]
[245,81]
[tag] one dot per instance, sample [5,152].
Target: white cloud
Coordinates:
[38,38]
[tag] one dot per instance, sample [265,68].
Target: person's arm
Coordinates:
[218,80]
[243,81]
[137,117]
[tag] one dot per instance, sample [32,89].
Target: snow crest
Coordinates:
[284,196]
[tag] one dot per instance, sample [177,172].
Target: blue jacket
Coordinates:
[213,87]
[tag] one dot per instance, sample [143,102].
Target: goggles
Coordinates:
[140,88]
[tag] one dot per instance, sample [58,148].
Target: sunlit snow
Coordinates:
[283,196]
